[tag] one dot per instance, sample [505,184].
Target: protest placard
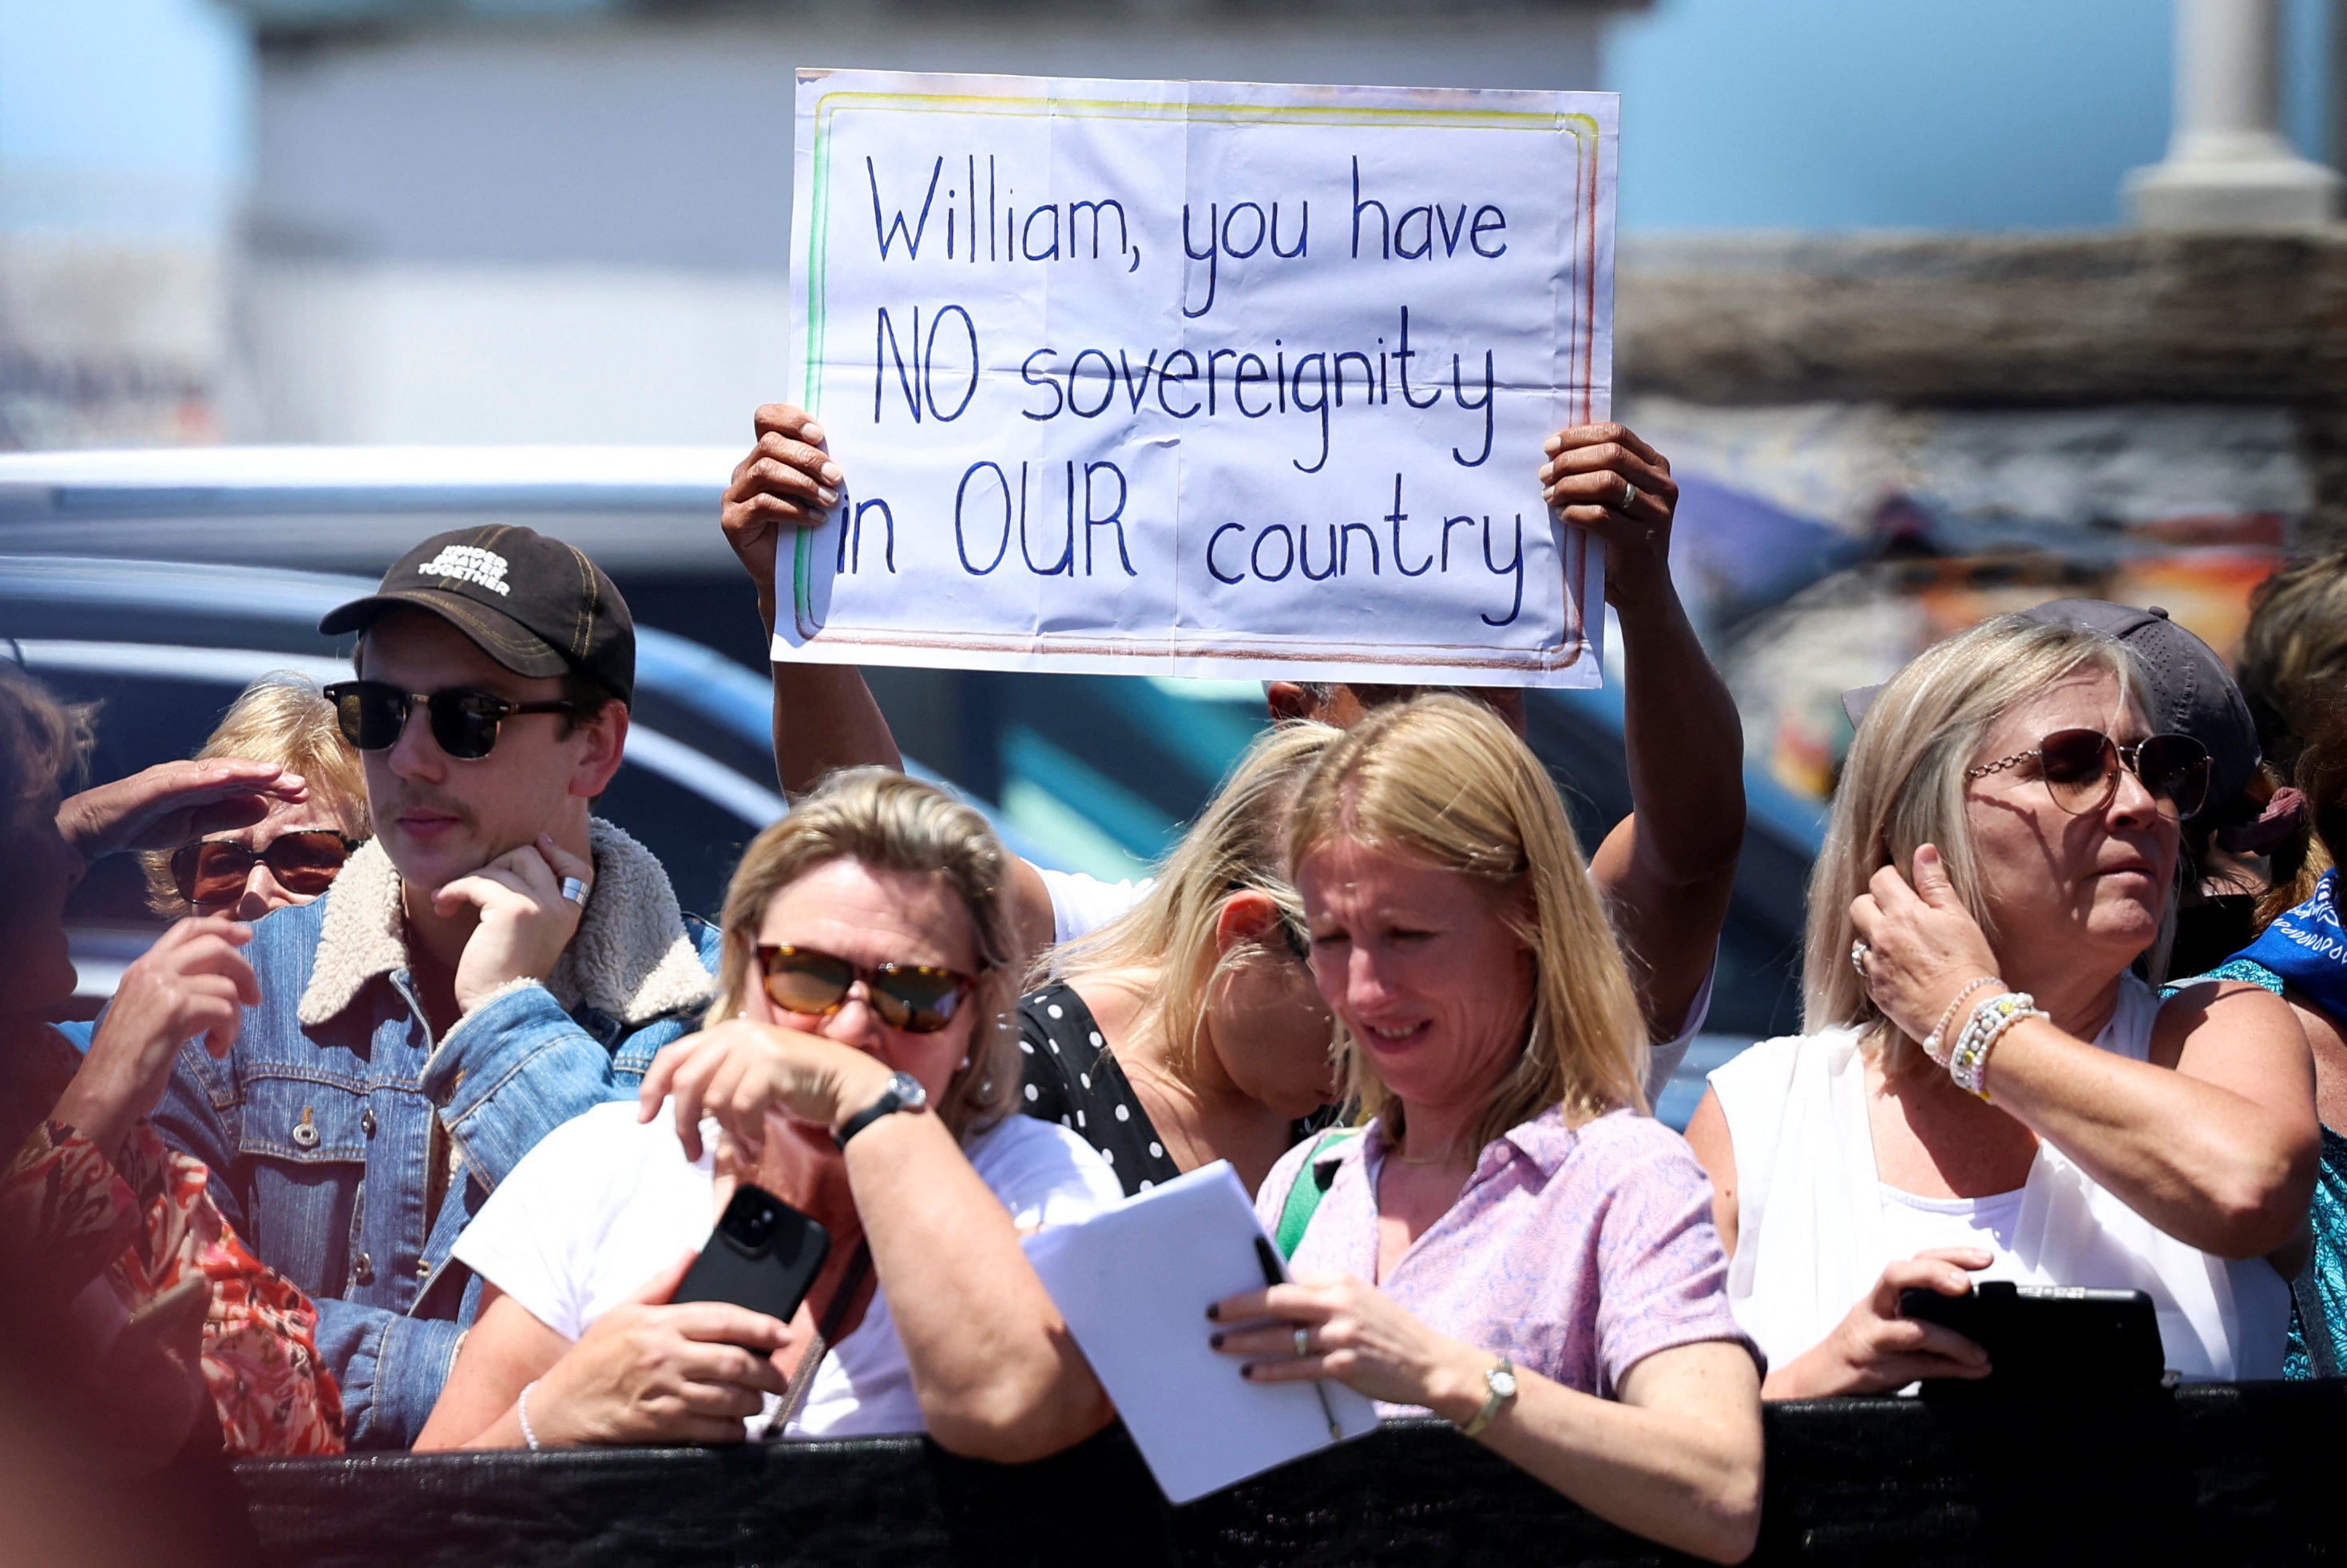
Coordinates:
[1199,378]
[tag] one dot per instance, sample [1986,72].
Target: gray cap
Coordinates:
[2191,691]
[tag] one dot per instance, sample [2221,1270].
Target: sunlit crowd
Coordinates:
[409,1131]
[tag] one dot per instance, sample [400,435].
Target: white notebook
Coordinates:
[1135,1284]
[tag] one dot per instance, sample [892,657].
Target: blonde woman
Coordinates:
[1986,1089]
[859,1065]
[1189,1030]
[1512,1244]
[295,851]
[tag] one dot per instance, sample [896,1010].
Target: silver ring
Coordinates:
[1303,1342]
[1629,497]
[1858,952]
[575,890]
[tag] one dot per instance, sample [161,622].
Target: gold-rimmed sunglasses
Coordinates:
[2081,769]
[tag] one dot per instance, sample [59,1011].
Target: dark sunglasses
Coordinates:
[919,999]
[374,714]
[214,871]
[2081,769]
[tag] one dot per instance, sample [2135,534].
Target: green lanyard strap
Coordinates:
[1311,1187]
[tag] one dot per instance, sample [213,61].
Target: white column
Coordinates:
[2227,164]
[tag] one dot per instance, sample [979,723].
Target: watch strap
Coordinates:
[893,1099]
[1494,1401]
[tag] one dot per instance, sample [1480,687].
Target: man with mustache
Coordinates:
[496,962]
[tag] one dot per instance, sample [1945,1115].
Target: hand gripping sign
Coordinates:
[1199,378]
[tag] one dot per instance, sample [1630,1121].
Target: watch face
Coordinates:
[910,1095]
[1503,1382]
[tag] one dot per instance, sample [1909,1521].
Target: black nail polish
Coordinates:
[1214,1313]
[1214,1341]
[1247,1371]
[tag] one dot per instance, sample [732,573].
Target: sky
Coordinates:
[121,114]
[1834,114]
[1736,114]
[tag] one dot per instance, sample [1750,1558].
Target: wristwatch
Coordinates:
[903,1093]
[1501,1382]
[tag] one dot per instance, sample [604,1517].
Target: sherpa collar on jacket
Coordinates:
[631,959]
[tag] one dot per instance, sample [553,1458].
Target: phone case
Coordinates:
[2048,1339]
[764,1254]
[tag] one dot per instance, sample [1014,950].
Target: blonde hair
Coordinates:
[1902,786]
[282,718]
[1443,779]
[1236,845]
[885,821]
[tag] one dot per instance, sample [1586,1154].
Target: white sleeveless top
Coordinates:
[1815,1226]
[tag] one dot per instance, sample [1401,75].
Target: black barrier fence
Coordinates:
[2223,1474]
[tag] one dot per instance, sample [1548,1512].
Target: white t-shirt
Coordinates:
[1081,905]
[605,1202]
[1912,1223]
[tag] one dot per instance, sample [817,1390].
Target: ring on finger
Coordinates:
[1629,497]
[575,890]
[1303,1342]
[1858,952]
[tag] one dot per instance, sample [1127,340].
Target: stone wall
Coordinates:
[1948,426]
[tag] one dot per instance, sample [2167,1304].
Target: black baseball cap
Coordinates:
[2191,691]
[534,604]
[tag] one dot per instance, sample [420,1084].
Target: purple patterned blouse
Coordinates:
[1575,1253]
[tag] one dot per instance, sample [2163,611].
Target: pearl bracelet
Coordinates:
[521,1410]
[1968,1063]
[1933,1042]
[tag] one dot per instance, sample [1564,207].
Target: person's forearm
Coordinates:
[100,1105]
[825,720]
[1668,1476]
[996,1372]
[504,1432]
[1684,742]
[1812,1375]
[2212,1168]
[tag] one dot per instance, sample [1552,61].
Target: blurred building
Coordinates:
[569,221]
[116,192]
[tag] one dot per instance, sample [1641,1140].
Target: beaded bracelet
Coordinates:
[1965,1056]
[521,1409]
[1968,1063]
[1932,1040]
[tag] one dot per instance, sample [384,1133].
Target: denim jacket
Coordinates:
[319,1126]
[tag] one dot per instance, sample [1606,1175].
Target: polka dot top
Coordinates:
[1068,1077]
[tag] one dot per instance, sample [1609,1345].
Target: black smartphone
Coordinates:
[2047,1339]
[763,1256]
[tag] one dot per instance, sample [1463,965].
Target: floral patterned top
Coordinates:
[138,1225]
